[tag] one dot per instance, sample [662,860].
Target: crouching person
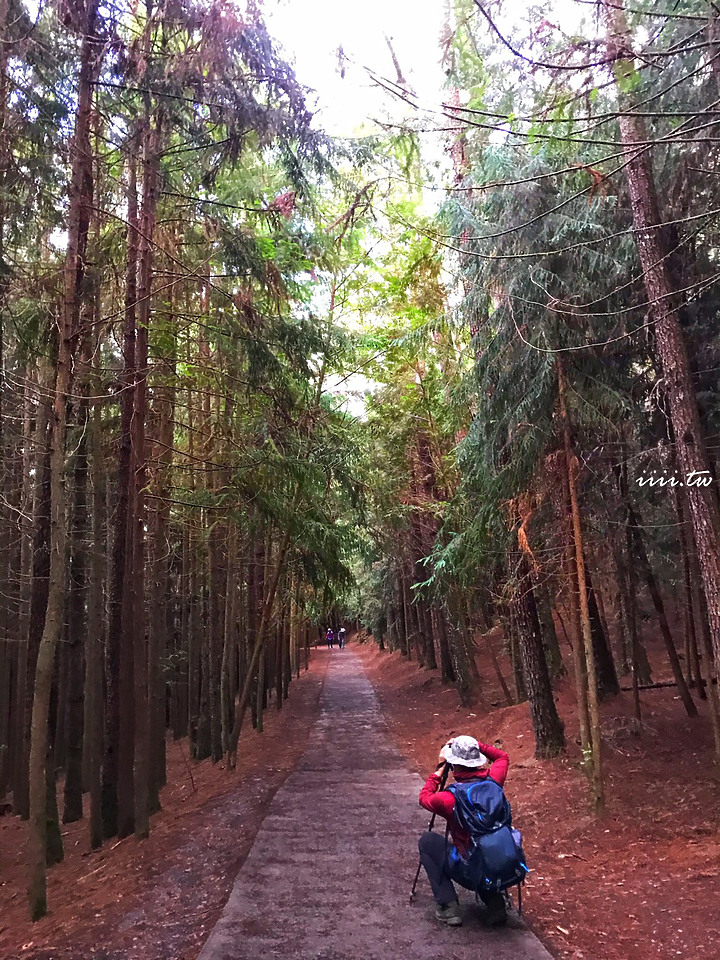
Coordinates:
[471,763]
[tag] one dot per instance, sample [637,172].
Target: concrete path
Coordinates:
[329,875]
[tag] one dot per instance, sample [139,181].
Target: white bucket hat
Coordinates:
[464,751]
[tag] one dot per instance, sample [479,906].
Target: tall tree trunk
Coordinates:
[511,632]
[142,701]
[54,851]
[8,575]
[118,764]
[646,569]
[446,662]
[160,611]
[462,651]
[216,611]
[498,672]
[77,624]
[706,647]
[571,466]
[623,608]
[194,591]
[196,639]
[607,681]
[260,692]
[287,663]
[268,605]
[426,630]
[204,746]
[692,659]
[39,586]
[638,657]
[401,626]
[19,775]
[94,650]
[639,660]
[129,606]
[60,681]
[183,699]
[547,624]
[227,684]
[8,650]
[665,301]
[547,725]
[468,625]
[411,617]
[280,652]
[81,188]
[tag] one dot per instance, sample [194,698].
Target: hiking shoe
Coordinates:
[496,911]
[449,914]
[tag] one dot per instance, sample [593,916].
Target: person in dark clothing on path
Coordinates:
[468,760]
[329,637]
[341,637]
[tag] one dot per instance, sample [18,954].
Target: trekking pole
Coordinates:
[443,781]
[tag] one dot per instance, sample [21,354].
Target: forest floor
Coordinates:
[641,882]
[159,898]
[330,872]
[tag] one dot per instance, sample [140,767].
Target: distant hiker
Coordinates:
[447,861]
[341,637]
[329,637]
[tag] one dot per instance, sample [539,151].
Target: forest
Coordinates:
[451,382]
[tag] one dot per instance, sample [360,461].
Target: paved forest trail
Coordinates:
[329,874]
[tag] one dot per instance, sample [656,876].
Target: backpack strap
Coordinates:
[459,790]
[462,783]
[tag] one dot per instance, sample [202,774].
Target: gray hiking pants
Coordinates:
[433,857]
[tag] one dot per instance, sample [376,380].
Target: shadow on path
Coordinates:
[329,874]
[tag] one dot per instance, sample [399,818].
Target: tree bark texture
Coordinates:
[664,302]
[81,189]
[571,465]
[547,725]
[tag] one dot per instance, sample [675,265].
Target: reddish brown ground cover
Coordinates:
[159,898]
[640,883]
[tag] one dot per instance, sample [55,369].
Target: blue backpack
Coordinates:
[495,860]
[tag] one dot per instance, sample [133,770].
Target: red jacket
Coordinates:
[442,802]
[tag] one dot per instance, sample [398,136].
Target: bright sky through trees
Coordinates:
[311,32]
